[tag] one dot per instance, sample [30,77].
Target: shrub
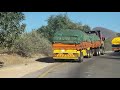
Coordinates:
[32,43]
[108,45]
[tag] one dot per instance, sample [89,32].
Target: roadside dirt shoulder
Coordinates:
[20,69]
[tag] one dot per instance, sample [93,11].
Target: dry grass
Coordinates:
[32,43]
[17,66]
[16,59]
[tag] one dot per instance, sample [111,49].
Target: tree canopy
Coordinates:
[58,22]
[10,27]
[118,34]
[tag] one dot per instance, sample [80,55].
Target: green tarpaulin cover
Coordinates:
[93,37]
[73,36]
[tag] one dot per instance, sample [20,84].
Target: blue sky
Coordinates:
[109,20]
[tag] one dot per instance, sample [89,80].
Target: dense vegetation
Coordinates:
[108,46]
[13,39]
[10,28]
[32,43]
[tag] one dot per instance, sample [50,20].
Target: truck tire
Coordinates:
[88,54]
[102,51]
[55,60]
[91,54]
[98,50]
[80,59]
[116,51]
[95,52]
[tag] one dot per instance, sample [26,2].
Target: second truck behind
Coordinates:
[116,44]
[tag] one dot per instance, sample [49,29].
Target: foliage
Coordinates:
[58,22]
[118,34]
[10,27]
[32,43]
[86,28]
[108,45]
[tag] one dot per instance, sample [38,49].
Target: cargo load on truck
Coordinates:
[70,37]
[94,38]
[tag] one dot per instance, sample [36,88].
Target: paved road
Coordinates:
[106,66]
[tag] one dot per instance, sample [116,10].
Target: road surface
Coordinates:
[106,66]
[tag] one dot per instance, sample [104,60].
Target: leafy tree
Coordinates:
[59,22]
[118,34]
[32,43]
[10,27]
[86,28]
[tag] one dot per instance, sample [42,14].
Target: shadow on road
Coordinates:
[113,55]
[50,60]
[116,58]
[46,59]
[1,64]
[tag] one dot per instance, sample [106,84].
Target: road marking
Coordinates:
[46,73]
[89,75]
[87,72]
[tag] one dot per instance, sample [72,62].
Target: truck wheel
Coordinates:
[80,59]
[98,50]
[116,51]
[54,60]
[102,51]
[90,54]
[95,52]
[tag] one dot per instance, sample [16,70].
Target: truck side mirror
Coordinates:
[103,39]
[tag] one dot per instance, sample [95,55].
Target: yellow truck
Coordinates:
[75,44]
[116,44]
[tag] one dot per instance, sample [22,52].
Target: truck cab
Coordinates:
[98,49]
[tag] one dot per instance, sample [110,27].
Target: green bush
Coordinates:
[108,45]
[32,43]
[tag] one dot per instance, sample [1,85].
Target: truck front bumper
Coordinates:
[65,56]
[116,49]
